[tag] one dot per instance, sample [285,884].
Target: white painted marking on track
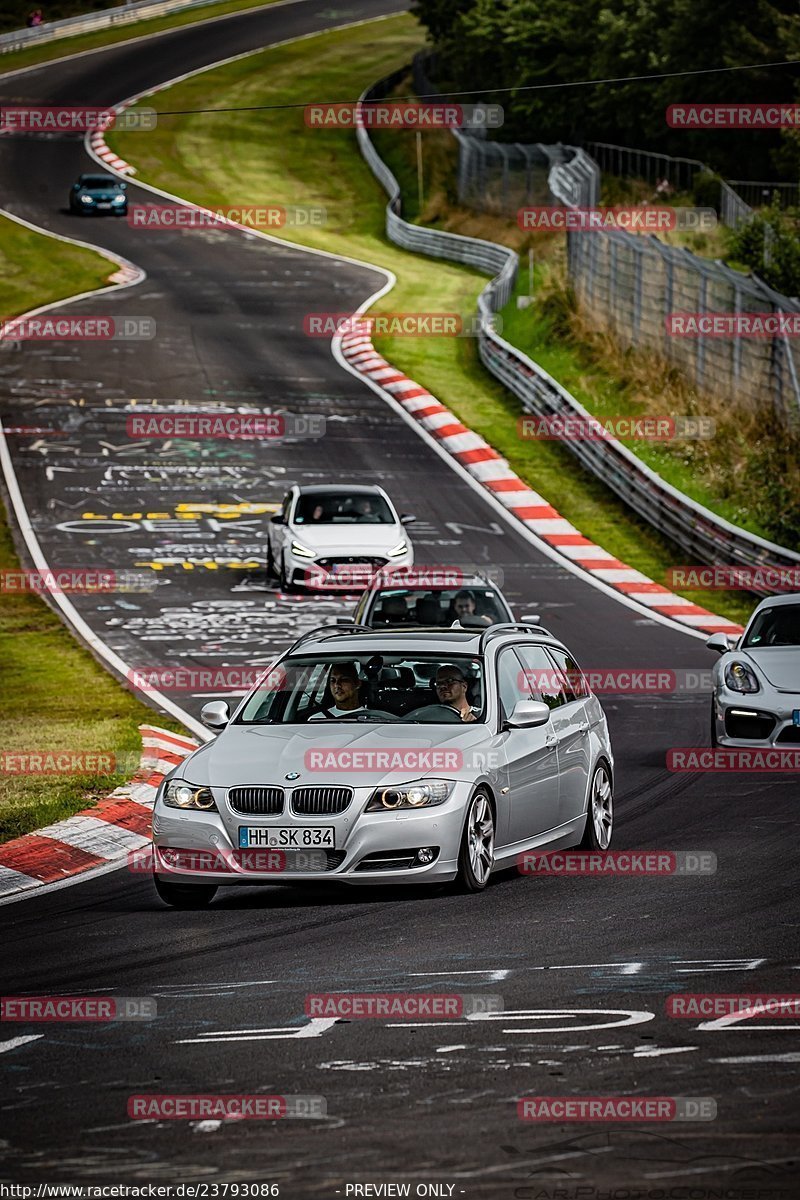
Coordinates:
[19,1041]
[660,1051]
[792,1057]
[315,1028]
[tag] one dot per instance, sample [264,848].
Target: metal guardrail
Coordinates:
[125,14]
[704,536]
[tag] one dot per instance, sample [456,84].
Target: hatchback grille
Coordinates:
[312,801]
[255,800]
[373,563]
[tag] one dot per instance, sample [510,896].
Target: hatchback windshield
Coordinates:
[342,508]
[778,626]
[377,688]
[439,606]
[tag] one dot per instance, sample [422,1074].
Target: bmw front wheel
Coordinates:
[476,858]
[600,815]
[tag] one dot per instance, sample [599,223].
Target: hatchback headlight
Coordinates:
[119,199]
[741,678]
[180,794]
[302,551]
[424,793]
[87,200]
[399,549]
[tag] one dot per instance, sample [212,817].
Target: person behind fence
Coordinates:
[34,19]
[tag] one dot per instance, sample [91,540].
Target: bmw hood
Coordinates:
[779,664]
[330,753]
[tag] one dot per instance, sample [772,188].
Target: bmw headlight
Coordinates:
[87,200]
[399,549]
[180,794]
[739,677]
[424,793]
[303,551]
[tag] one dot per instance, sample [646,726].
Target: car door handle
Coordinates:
[551,740]
[584,728]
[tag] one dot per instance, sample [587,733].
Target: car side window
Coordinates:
[511,682]
[546,683]
[575,681]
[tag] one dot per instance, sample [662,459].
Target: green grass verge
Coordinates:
[54,696]
[79,42]
[280,161]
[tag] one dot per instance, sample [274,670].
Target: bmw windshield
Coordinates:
[416,689]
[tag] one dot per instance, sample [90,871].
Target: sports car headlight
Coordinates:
[423,794]
[741,678]
[303,551]
[87,200]
[180,794]
[399,549]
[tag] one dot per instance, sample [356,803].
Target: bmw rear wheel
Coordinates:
[476,858]
[600,815]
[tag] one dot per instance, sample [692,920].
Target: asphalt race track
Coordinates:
[583,966]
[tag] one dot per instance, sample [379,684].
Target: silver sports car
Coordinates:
[386,756]
[756,698]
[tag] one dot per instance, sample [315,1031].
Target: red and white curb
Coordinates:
[494,474]
[97,836]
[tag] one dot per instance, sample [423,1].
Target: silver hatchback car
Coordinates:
[390,757]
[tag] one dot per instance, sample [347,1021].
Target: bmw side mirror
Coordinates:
[719,642]
[407,519]
[124,187]
[215,714]
[527,714]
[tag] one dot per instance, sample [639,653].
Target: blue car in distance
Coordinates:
[98,194]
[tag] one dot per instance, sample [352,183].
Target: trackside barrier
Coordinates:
[706,537]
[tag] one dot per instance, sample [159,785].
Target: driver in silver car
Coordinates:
[451,689]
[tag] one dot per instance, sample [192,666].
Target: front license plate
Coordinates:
[796,716]
[104,204]
[286,837]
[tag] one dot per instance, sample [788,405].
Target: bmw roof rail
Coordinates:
[508,627]
[330,631]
